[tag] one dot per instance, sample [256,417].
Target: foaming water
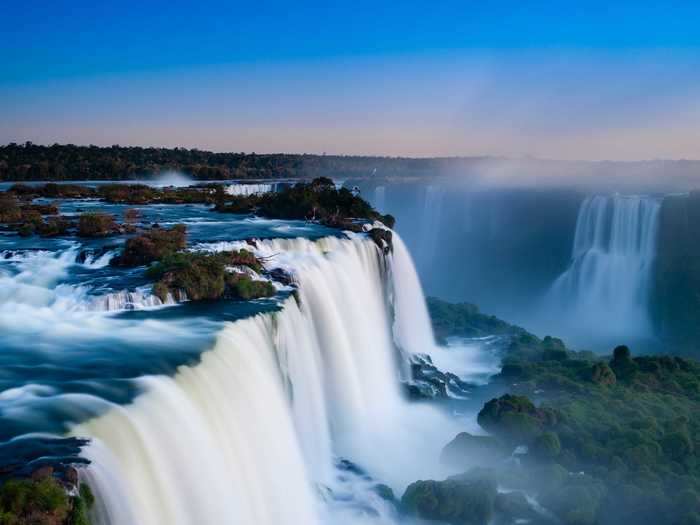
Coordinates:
[249,189]
[245,435]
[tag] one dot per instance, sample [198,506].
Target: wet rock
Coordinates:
[382,238]
[45,471]
[96,225]
[513,506]
[281,276]
[152,245]
[467,450]
[460,500]
[428,382]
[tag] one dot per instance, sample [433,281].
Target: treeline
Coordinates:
[26,162]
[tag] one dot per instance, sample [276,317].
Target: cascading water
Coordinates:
[430,226]
[606,288]
[249,189]
[245,435]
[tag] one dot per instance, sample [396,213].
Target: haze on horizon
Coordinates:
[456,79]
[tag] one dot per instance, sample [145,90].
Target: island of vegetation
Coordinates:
[593,440]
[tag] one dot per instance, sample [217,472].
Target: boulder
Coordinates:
[459,500]
[467,450]
[152,245]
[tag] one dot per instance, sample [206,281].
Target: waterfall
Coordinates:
[606,288]
[379,201]
[245,435]
[249,189]
[430,226]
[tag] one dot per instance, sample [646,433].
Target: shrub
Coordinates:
[96,225]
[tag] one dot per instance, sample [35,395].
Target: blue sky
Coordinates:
[548,79]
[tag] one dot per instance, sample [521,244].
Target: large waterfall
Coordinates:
[606,287]
[253,433]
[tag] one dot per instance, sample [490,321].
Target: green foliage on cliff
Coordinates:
[610,439]
[43,502]
[465,319]
[317,200]
[207,276]
[152,245]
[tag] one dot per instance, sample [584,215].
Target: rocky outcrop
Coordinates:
[429,382]
[515,419]
[460,500]
[152,245]
[466,451]
[96,225]
[210,276]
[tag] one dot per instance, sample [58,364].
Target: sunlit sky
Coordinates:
[543,79]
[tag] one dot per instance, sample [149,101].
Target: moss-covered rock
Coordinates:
[457,501]
[209,276]
[515,418]
[43,501]
[96,225]
[54,227]
[317,200]
[152,245]
[466,451]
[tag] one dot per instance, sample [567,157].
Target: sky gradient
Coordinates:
[416,79]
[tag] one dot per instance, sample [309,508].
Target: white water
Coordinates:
[249,189]
[244,436]
[606,288]
[430,226]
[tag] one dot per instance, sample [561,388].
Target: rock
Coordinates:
[602,374]
[457,500]
[96,225]
[515,418]
[622,363]
[281,276]
[382,238]
[45,471]
[514,506]
[467,450]
[428,382]
[152,245]
[546,446]
[70,475]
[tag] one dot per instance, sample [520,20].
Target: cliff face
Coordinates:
[676,297]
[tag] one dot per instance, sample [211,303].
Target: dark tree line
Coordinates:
[20,162]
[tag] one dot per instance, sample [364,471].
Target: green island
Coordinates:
[592,440]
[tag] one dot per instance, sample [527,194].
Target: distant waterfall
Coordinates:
[379,201]
[605,290]
[430,226]
[243,190]
[244,436]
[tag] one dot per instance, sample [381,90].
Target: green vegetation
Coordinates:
[316,200]
[465,320]
[29,161]
[609,440]
[206,276]
[152,245]
[43,502]
[96,225]
[460,500]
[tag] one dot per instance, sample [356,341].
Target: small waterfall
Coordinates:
[245,435]
[379,201]
[606,288]
[139,299]
[430,226]
[249,189]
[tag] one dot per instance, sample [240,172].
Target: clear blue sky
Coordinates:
[550,79]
